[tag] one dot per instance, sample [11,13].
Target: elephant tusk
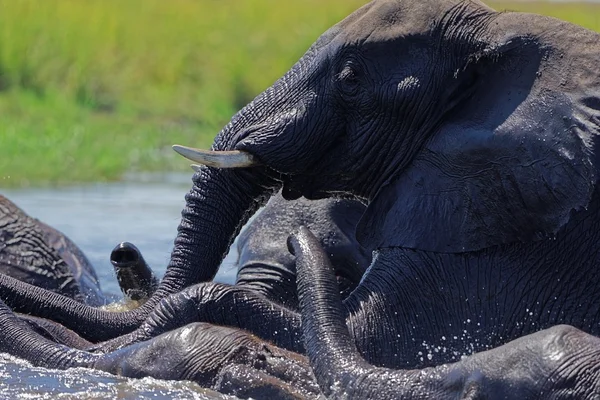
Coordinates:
[218,159]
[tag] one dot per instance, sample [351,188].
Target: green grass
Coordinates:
[90,90]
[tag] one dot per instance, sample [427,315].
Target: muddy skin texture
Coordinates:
[472,137]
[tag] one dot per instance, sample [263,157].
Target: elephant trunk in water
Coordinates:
[209,224]
[136,279]
[340,370]
[330,348]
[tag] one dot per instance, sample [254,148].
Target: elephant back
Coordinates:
[38,254]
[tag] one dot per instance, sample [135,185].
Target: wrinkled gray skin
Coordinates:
[471,135]
[36,253]
[266,267]
[556,363]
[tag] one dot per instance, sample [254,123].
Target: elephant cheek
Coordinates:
[292,142]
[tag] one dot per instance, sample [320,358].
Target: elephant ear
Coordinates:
[510,165]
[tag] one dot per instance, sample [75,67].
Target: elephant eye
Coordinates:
[347,74]
[349,79]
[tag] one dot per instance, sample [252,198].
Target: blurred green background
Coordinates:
[92,89]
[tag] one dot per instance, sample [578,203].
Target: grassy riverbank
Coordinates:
[91,90]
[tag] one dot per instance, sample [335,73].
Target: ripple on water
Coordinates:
[20,380]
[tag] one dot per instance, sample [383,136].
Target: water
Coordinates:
[144,210]
[19,380]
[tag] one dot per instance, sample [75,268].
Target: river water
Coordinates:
[144,210]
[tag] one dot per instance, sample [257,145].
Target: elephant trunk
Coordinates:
[136,279]
[340,370]
[220,203]
[19,340]
[330,348]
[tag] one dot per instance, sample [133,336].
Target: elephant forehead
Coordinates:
[383,20]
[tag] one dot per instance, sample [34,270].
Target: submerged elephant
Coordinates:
[266,267]
[36,253]
[224,359]
[471,135]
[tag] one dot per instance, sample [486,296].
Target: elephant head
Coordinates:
[463,128]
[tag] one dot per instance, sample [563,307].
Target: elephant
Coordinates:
[469,133]
[556,363]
